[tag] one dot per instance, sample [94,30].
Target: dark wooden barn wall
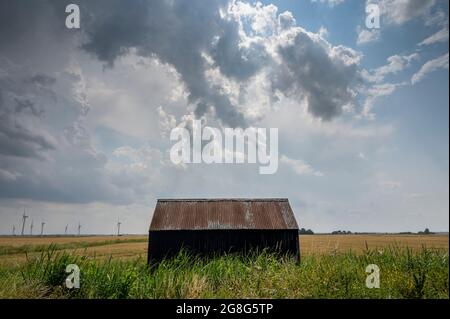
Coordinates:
[166,243]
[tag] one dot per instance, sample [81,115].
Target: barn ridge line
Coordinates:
[222,200]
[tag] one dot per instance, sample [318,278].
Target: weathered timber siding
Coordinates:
[218,226]
[216,242]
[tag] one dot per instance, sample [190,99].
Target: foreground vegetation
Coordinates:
[403,274]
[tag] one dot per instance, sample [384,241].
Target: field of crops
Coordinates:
[332,266]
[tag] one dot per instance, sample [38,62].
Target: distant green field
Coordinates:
[403,274]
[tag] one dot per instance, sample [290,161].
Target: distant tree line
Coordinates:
[425,232]
[341,232]
[304,231]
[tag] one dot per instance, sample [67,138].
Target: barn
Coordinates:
[217,226]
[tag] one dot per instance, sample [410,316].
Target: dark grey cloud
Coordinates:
[16,110]
[33,28]
[16,140]
[177,33]
[233,60]
[24,104]
[46,153]
[44,160]
[41,79]
[323,74]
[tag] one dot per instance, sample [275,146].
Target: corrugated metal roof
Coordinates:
[242,213]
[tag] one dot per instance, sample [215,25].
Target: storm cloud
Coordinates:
[176,32]
[18,109]
[240,44]
[47,153]
[239,39]
[325,75]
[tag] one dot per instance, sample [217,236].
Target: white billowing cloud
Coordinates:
[440,36]
[373,94]
[300,167]
[379,88]
[367,35]
[291,61]
[400,11]
[166,122]
[437,18]
[286,20]
[79,87]
[395,64]
[430,66]
[262,18]
[323,32]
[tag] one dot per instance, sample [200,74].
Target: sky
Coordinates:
[362,114]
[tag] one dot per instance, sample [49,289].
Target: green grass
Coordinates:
[403,274]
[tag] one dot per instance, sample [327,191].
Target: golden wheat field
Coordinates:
[16,250]
[323,244]
[47,240]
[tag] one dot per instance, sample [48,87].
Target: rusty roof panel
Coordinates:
[203,214]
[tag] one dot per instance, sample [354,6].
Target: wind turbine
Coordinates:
[65,231]
[42,228]
[14,230]
[31,228]
[79,227]
[118,227]
[24,217]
